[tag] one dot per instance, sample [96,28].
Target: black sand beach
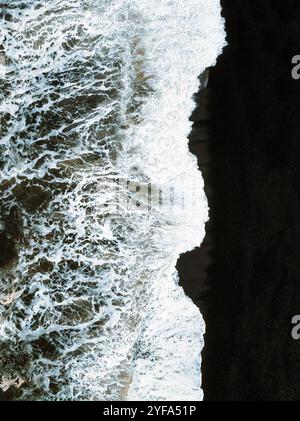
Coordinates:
[246,276]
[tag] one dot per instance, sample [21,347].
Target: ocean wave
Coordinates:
[100,195]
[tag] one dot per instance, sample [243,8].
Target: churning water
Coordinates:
[100,195]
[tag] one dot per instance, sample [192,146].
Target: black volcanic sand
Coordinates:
[246,276]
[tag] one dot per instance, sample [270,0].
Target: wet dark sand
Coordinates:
[246,276]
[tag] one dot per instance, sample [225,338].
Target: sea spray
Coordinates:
[100,196]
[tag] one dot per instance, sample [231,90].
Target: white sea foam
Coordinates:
[95,99]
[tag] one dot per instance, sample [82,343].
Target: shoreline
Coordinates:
[245,277]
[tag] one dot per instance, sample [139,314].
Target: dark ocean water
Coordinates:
[94,104]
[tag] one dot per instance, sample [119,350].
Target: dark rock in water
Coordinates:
[246,277]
